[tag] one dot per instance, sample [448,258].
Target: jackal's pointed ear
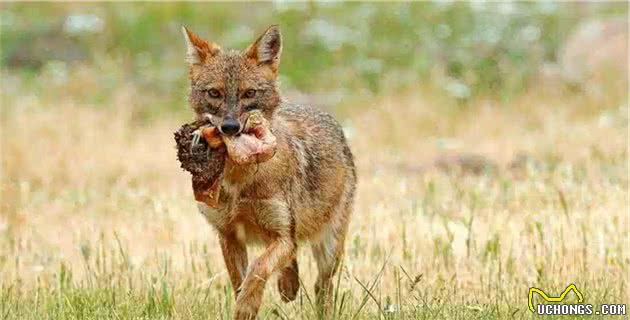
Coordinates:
[267,48]
[197,49]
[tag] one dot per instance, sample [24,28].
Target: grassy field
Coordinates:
[478,176]
[98,221]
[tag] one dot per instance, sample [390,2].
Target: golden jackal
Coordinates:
[303,193]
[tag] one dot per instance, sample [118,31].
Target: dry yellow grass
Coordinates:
[92,192]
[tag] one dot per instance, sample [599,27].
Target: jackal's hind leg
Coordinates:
[289,282]
[328,252]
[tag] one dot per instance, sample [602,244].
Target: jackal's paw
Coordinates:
[245,313]
[288,284]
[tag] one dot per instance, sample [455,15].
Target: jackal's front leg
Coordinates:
[276,256]
[235,257]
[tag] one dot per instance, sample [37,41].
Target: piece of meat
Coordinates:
[205,160]
[255,144]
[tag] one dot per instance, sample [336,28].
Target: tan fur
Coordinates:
[304,193]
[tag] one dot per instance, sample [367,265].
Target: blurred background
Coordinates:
[334,51]
[473,124]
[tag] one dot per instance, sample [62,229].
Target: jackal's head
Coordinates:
[225,85]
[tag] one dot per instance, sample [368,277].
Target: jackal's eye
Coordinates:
[250,93]
[213,93]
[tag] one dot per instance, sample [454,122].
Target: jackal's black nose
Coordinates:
[230,126]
